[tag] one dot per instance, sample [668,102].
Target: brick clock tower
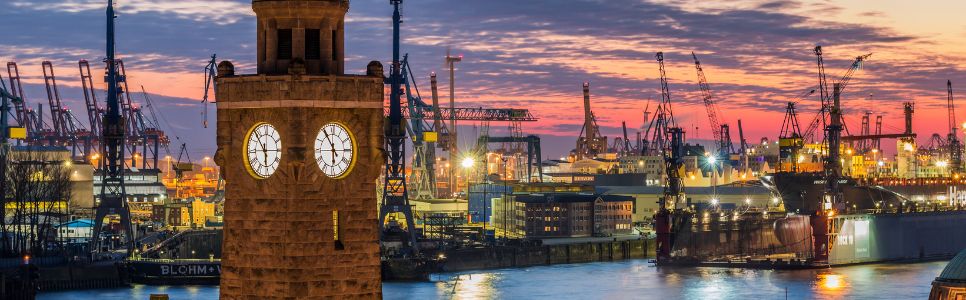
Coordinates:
[299,148]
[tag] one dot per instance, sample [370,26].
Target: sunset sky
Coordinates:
[536,53]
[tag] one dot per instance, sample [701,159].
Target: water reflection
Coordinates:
[831,282]
[625,280]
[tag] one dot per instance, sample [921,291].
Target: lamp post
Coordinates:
[504,198]
[713,161]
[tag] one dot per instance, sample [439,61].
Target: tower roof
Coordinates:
[955,271]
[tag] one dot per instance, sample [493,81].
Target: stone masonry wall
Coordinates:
[278,231]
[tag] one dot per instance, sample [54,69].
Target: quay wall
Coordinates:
[525,256]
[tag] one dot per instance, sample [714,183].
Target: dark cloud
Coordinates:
[536,53]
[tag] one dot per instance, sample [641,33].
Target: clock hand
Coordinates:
[265,151]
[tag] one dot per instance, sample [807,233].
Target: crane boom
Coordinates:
[707,97]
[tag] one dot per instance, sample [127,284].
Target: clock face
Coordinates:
[263,150]
[335,150]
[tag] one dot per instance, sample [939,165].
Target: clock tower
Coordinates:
[299,147]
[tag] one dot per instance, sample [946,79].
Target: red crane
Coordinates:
[23,113]
[57,116]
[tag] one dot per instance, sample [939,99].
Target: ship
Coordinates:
[875,224]
[802,192]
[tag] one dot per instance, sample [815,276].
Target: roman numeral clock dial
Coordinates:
[263,150]
[335,150]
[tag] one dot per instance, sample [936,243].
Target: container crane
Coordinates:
[62,136]
[94,112]
[721,131]
[25,116]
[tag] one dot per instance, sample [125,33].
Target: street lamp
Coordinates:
[713,161]
[468,162]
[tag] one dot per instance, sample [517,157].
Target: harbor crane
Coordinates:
[427,137]
[57,116]
[211,72]
[590,142]
[822,117]
[452,140]
[25,116]
[668,142]
[113,195]
[790,139]
[94,112]
[952,140]
[721,131]
[395,195]
[657,130]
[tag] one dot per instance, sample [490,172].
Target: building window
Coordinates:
[336,234]
[284,46]
[313,44]
[335,45]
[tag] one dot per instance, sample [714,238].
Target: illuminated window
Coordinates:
[336,234]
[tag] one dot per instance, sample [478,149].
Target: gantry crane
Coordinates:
[26,116]
[57,118]
[721,131]
[94,112]
[61,134]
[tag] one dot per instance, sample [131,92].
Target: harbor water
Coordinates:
[635,279]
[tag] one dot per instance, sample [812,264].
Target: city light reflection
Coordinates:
[831,282]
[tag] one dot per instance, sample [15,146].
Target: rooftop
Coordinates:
[570,198]
[955,271]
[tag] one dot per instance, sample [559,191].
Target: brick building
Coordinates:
[561,215]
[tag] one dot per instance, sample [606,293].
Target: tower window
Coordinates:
[313,44]
[335,45]
[336,234]
[284,44]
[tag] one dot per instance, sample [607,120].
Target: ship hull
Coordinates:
[802,193]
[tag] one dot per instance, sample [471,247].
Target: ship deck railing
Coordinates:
[170,260]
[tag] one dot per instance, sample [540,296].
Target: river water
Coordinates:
[635,279]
